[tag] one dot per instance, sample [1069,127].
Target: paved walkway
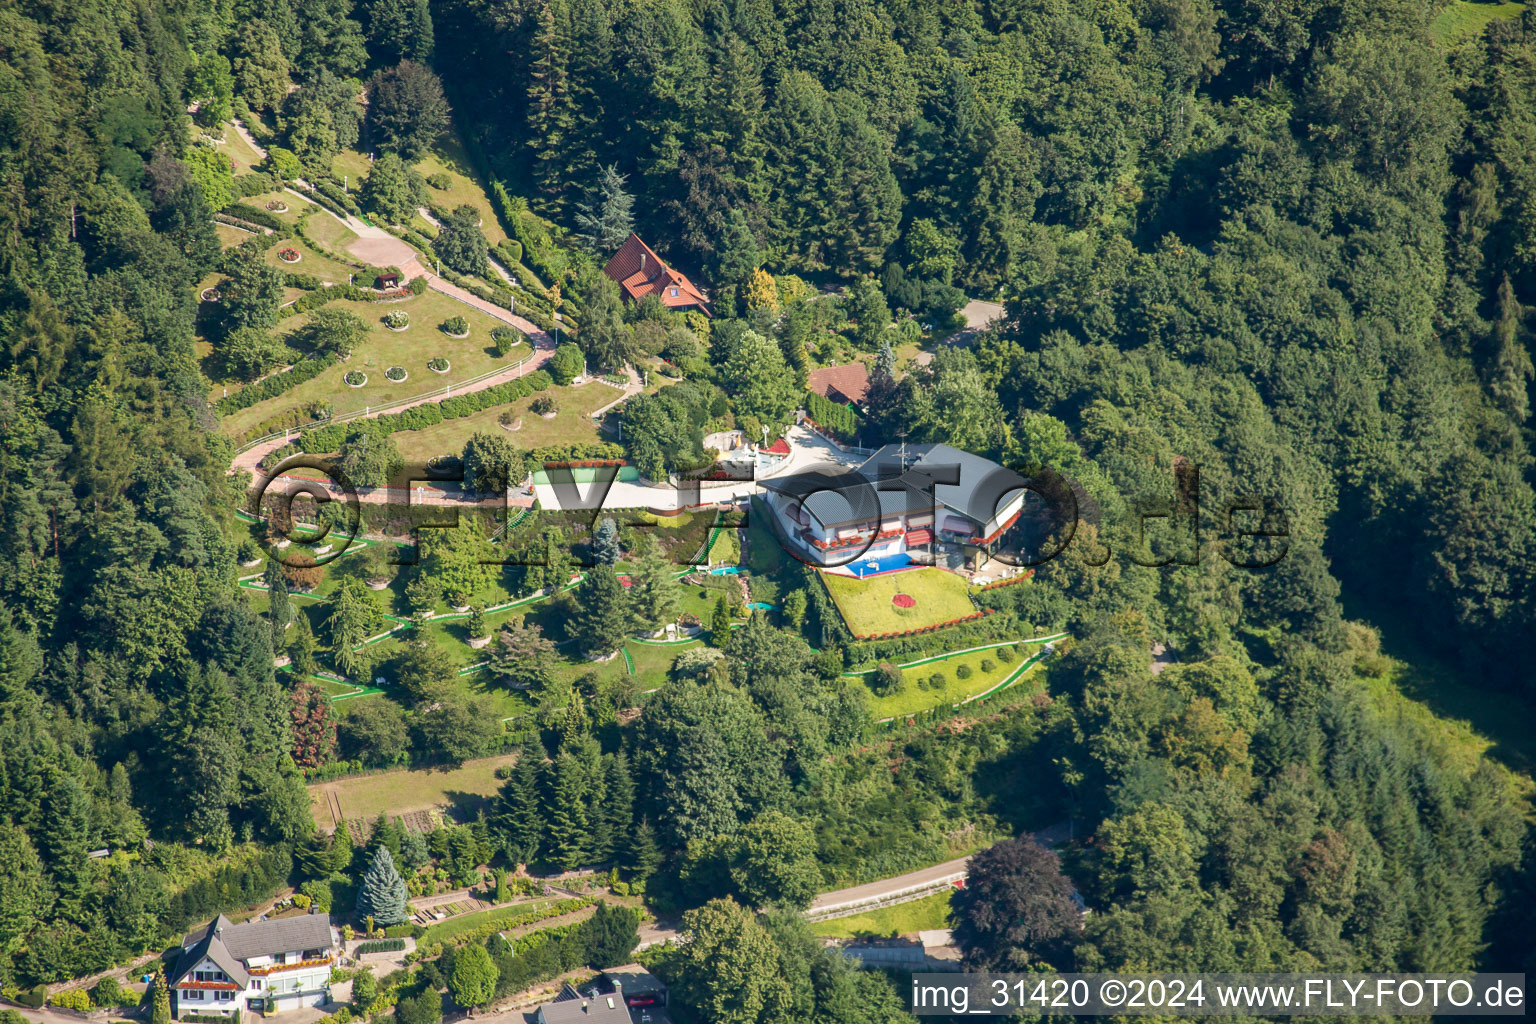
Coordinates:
[250,140]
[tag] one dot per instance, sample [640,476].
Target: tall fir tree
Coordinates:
[381,894]
[601,619]
[566,813]
[519,817]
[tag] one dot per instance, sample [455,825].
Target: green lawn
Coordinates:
[918,695]
[298,206]
[330,232]
[410,348]
[866,604]
[397,792]
[926,914]
[1462,18]
[243,155]
[450,159]
[329,271]
[571,424]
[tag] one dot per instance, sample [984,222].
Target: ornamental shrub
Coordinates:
[988,665]
[962,671]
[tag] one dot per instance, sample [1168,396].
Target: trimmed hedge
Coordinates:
[329,438]
[271,387]
[255,183]
[398,931]
[381,946]
[840,420]
[254,215]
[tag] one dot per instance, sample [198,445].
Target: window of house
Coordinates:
[256,984]
[223,997]
[191,993]
[280,958]
[674,293]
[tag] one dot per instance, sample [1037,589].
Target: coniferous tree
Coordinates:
[519,816]
[720,623]
[566,813]
[601,619]
[606,220]
[381,893]
[652,591]
[160,1012]
[279,609]
[644,854]
[605,541]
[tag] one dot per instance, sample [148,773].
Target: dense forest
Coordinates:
[1291,244]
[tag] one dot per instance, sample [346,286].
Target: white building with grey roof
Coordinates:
[264,967]
[939,504]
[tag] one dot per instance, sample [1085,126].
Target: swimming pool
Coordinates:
[761,606]
[863,568]
[725,570]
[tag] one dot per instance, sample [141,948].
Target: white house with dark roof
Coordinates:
[571,1006]
[941,504]
[263,967]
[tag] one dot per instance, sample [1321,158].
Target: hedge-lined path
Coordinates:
[250,459]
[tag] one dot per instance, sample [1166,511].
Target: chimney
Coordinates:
[642,261]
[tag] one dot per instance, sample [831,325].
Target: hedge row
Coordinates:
[255,183]
[539,248]
[394,945]
[336,194]
[351,292]
[254,215]
[329,438]
[271,387]
[926,629]
[967,634]
[840,420]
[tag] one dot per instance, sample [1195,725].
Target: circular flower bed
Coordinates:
[904,601]
[397,320]
[277,206]
[288,254]
[438,365]
[211,295]
[396,373]
[355,378]
[455,327]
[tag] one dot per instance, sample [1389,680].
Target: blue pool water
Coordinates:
[863,568]
[762,605]
[725,570]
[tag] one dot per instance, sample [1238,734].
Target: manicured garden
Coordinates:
[573,423]
[959,678]
[871,607]
[396,792]
[928,913]
[409,348]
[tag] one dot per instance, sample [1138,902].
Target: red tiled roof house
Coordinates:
[845,385]
[640,272]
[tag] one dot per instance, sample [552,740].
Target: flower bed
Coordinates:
[355,378]
[397,320]
[277,206]
[396,374]
[211,295]
[904,601]
[455,327]
[439,365]
[288,254]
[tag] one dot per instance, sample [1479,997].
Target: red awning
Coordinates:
[919,537]
[956,525]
